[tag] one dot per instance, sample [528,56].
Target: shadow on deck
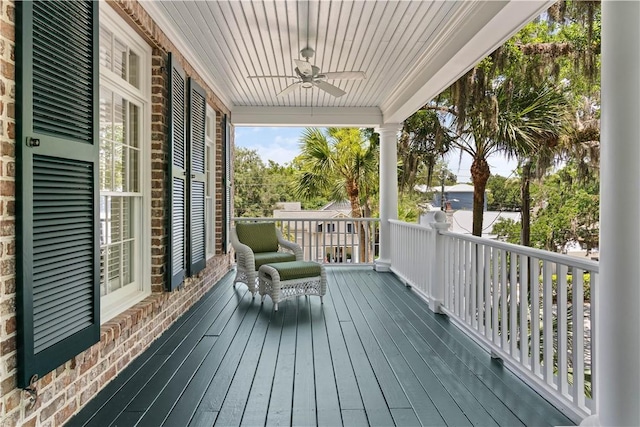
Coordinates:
[373,354]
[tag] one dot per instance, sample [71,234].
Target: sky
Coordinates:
[280,144]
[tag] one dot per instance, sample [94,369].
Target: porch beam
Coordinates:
[388,190]
[617,381]
[307,116]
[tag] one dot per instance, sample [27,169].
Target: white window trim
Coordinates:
[210,226]
[122,299]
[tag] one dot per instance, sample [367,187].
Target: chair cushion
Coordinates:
[272,257]
[296,269]
[259,236]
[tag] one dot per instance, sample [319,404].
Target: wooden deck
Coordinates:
[373,354]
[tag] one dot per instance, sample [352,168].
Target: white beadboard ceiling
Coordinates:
[409,50]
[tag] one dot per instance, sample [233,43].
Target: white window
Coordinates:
[210,191]
[125,109]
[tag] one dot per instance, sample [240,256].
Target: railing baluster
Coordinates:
[488,310]
[473,286]
[513,312]
[504,304]
[524,310]
[458,267]
[562,329]
[535,316]
[547,321]
[578,338]
[495,284]
[593,283]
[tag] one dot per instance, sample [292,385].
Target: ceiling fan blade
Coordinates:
[329,88]
[289,89]
[304,66]
[272,77]
[344,75]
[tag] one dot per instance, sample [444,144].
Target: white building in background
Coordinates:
[326,234]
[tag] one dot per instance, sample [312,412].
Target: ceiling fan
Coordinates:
[308,76]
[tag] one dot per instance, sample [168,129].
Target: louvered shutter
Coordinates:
[197,177]
[226,126]
[57,228]
[178,165]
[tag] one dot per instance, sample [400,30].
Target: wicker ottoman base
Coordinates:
[285,280]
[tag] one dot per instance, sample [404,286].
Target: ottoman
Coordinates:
[283,280]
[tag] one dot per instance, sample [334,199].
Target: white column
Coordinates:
[388,190]
[618,292]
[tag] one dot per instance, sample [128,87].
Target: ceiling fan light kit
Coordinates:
[309,76]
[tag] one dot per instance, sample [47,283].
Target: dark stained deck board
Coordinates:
[345,377]
[204,419]
[279,411]
[304,387]
[373,354]
[255,412]
[430,371]
[119,392]
[238,394]
[435,407]
[387,379]
[462,354]
[186,406]
[327,401]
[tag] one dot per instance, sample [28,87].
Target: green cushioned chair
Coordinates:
[257,244]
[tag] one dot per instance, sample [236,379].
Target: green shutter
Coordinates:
[178,165]
[57,224]
[197,177]
[226,128]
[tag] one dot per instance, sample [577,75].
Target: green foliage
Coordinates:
[507,230]
[257,188]
[341,163]
[586,286]
[568,211]
[504,194]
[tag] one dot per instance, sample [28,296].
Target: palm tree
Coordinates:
[531,122]
[342,163]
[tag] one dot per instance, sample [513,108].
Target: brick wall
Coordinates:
[64,391]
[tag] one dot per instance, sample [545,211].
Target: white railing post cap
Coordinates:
[440,219]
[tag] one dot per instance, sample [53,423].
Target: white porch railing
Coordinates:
[337,241]
[533,309]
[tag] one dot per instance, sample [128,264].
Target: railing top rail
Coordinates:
[263,219]
[411,225]
[532,252]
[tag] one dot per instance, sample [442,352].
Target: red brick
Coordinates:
[12,400]
[52,408]
[66,413]
[10,325]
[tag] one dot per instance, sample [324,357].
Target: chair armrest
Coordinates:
[244,254]
[292,246]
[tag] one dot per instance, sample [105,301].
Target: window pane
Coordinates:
[103,220]
[106,148]
[120,106]
[133,126]
[120,59]
[133,170]
[134,69]
[116,220]
[105,47]
[103,283]
[127,262]
[209,187]
[127,218]
[114,258]
[119,167]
